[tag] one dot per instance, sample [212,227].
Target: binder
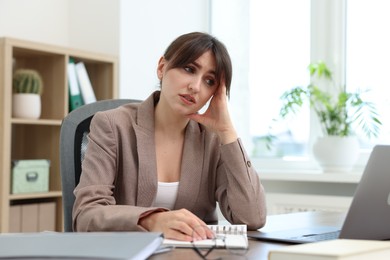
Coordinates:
[75,99]
[86,88]
[81,245]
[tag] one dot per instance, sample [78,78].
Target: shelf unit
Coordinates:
[39,139]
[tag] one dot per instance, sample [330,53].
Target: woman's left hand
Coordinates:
[217,117]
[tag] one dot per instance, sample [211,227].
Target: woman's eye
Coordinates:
[210,82]
[189,69]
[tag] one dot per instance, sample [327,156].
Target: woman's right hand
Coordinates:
[177,224]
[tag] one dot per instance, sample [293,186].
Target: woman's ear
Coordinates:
[161,67]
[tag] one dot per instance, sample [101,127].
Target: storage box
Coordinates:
[32,217]
[30,176]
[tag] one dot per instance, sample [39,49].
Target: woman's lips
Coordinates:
[188,99]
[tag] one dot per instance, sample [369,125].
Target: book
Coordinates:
[85,84]
[75,99]
[341,249]
[227,236]
[69,245]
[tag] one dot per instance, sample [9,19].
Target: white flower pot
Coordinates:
[25,105]
[336,154]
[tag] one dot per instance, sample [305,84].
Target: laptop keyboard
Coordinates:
[319,237]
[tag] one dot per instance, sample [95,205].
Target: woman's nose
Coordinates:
[195,84]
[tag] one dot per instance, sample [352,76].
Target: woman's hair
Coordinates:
[189,47]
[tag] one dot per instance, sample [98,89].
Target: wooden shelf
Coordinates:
[43,195]
[39,138]
[36,122]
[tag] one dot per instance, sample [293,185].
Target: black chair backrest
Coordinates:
[73,143]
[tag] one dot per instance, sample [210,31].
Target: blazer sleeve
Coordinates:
[240,193]
[95,207]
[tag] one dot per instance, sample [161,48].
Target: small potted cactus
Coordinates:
[27,88]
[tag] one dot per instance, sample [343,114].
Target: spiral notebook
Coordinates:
[227,236]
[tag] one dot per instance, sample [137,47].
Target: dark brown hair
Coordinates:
[189,47]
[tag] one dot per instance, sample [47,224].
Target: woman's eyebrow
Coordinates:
[200,66]
[196,64]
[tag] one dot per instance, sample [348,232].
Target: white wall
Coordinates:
[83,24]
[135,31]
[43,21]
[94,25]
[147,28]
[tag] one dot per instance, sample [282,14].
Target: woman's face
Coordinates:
[187,89]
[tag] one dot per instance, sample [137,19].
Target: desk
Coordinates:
[259,249]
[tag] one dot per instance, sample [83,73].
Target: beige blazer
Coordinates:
[119,180]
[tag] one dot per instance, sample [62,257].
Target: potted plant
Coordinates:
[27,89]
[340,116]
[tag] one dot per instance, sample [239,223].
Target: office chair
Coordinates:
[73,143]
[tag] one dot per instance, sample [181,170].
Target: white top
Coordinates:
[166,194]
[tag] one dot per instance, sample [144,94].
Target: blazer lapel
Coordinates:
[147,171]
[191,167]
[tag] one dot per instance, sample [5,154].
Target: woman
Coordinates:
[159,165]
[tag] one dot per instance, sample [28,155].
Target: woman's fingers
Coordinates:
[202,232]
[216,114]
[195,226]
[177,235]
[182,225]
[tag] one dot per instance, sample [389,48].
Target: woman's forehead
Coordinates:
[207,61]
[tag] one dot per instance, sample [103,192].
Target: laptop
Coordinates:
[368,216]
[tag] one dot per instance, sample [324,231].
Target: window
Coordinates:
[368,55]
[284,36]
[279,56]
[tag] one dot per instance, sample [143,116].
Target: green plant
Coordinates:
[27,81]
[339,115]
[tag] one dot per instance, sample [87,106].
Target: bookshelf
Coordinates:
[39,138]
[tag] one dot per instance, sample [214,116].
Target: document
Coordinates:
[75,99]
[85,84]
[91,245]
[227,236]
[341,249]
